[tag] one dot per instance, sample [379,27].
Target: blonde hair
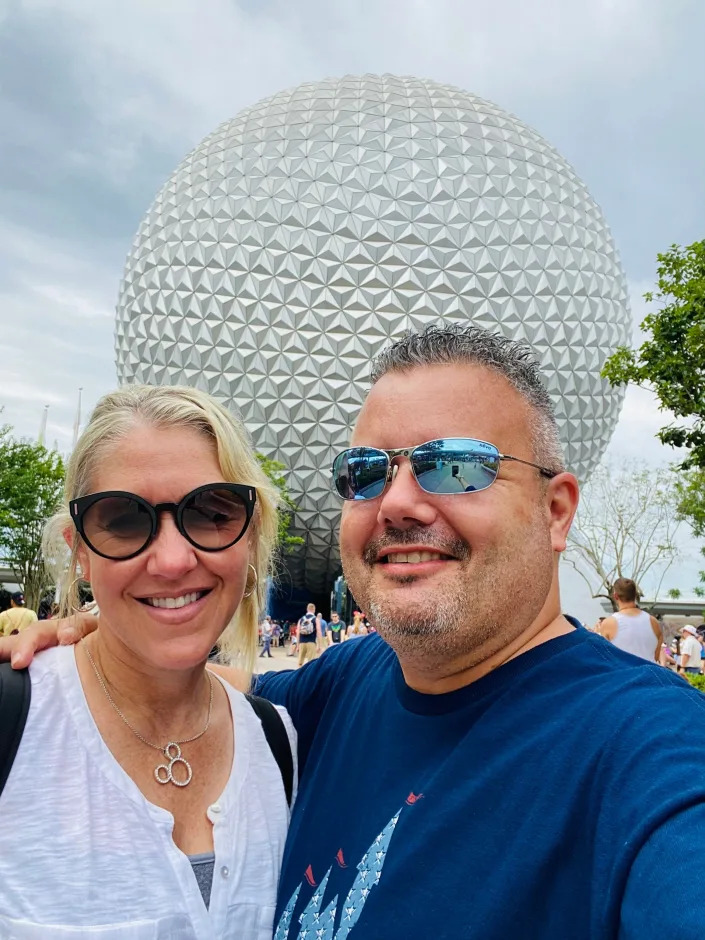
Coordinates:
[115,415]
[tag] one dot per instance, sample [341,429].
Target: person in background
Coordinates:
[309,634]
[17,617]
[666,656]
[357,628]
[266,638]
[294,637]
[323,638]
[691,651]
[630,628]
[336,628]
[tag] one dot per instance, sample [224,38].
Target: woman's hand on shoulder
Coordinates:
[21,647]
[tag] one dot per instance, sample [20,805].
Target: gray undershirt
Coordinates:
[203,866]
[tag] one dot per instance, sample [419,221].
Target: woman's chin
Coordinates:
[177,653]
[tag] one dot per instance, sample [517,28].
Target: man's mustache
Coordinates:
[418,536]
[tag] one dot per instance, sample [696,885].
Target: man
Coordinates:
[513,784]
[309,635]
[17,617]
[336,628]
[632,629]
[266,637]
[691,651]
[323,636]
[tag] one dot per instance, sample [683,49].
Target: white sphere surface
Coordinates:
[302,235]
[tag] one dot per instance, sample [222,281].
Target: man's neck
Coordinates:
[466,669]
[160,704]
[626,605]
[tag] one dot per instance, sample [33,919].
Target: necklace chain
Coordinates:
[172,750]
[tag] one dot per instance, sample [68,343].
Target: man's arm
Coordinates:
[684,660]
[658,633]
[658,898]
[42,634]
[608,628]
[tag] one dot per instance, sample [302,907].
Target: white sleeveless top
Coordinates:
[635,635]
[84,854]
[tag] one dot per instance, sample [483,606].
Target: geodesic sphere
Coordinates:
[299,237]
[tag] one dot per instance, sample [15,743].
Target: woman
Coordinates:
[150,803]
[357,628]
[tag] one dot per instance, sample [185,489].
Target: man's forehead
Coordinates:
[455,399]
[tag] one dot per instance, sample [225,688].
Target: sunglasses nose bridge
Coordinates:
[397,460]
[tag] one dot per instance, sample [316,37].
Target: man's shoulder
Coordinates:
[623,683]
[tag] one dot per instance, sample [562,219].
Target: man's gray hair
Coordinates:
[458,343]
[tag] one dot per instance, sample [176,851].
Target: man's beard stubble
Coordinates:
[477,614]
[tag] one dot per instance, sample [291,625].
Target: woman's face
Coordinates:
[162,466]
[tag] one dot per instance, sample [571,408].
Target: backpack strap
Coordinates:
[277,739]
[15,694]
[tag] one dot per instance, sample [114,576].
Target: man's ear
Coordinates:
[84,560]
[562,498]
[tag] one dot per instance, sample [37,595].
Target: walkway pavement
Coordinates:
[278,661]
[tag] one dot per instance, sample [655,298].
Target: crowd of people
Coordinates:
[640,633]
[311,634]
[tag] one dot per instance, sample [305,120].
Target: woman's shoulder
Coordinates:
[239,679]
[51,664]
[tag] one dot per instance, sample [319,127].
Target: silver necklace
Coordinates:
[163,773]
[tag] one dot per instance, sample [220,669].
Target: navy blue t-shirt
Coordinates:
[561,796]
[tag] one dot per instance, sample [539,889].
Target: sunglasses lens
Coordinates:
[455,465]
[360,473]
[117,526]
[215,518]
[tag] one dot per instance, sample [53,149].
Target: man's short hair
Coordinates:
[457,344]
[18,598]
[626,590]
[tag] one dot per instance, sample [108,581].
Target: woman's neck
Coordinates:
[161,704]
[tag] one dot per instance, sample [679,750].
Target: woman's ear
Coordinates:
[84,560]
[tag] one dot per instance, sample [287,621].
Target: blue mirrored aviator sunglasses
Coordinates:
[443,467]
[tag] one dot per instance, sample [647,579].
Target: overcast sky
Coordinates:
[101,99]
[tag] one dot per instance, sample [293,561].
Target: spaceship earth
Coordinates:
[302,235]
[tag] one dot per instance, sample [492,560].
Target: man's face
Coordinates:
[492,551]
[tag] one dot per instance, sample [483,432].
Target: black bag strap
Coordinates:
[15,694]
[277,739]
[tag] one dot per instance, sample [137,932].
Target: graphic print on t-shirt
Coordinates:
[321,925]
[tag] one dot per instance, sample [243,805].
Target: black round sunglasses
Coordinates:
[119,525]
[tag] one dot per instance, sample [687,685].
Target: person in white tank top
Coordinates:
[144,802]
[631,629]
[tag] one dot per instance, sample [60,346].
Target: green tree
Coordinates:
[674,593]
[275,472]
[31,484]
[625,527]
[671,360]
[690,488]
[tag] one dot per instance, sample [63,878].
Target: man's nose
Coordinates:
[170,554]
[403,503]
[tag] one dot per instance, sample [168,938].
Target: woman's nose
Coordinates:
[170,554]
